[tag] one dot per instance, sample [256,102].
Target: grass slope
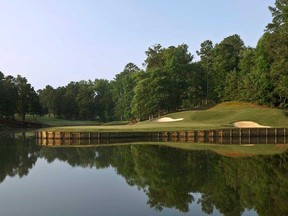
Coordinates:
[219,116]
[59,122]
[225,113]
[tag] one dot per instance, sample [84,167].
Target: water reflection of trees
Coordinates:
[170,176]
[17,156]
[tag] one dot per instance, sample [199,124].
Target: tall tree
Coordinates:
[278,51]
[123,93]
[35,107]
[25,96]
[85,100]
[206,55]
[11,96]
[226,57]
[57,102]
[167,70]
[103,99]
[280,17]
[261,87]
[71,109]
[142,103]
[154,57]
[246,66]
[195,94]
[46,99]
[177,61]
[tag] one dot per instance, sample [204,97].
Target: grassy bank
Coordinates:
[51,121]
[32,122]
[219,116]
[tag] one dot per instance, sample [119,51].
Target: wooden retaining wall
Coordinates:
[221,136]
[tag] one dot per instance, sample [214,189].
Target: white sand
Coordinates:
[168,119]
[248,124]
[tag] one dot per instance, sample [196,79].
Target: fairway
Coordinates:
[220,116]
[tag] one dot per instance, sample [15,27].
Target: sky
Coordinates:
[53,42]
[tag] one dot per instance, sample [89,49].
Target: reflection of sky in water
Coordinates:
[58,189]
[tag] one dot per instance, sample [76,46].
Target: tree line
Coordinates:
[169,81]
[17,96]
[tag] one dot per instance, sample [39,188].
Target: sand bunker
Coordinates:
[168,119]
[248,124]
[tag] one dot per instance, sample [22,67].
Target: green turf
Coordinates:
[219,116]
[61,122]
[116,123]
[58,122]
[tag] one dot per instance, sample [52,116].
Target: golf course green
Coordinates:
[220,116]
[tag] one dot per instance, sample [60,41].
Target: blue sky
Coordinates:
[57,41]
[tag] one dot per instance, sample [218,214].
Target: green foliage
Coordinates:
[143,103]
[206,55]
[17,95]
[231,90]
[123,91]
[46,101]
[277,48]
[164,85]
[103,99]
[247,60]
[226,57]
[85,101]
[8,96]
[245,81]
[170,81]
[196,91]
[280,17]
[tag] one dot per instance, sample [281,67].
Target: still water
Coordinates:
[137,180]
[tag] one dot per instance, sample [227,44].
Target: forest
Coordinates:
[169,81]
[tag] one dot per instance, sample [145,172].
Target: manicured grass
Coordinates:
[51,121]
[219,116]
[225,113]
[58,122]
[116,123]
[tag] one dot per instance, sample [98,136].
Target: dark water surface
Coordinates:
[137,180]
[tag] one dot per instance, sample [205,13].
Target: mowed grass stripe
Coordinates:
[217,117]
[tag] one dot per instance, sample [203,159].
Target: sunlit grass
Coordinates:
[220,116]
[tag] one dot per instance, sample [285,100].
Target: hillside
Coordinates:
[220,116]
[225,113]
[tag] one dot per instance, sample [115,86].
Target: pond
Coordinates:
[138,180]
